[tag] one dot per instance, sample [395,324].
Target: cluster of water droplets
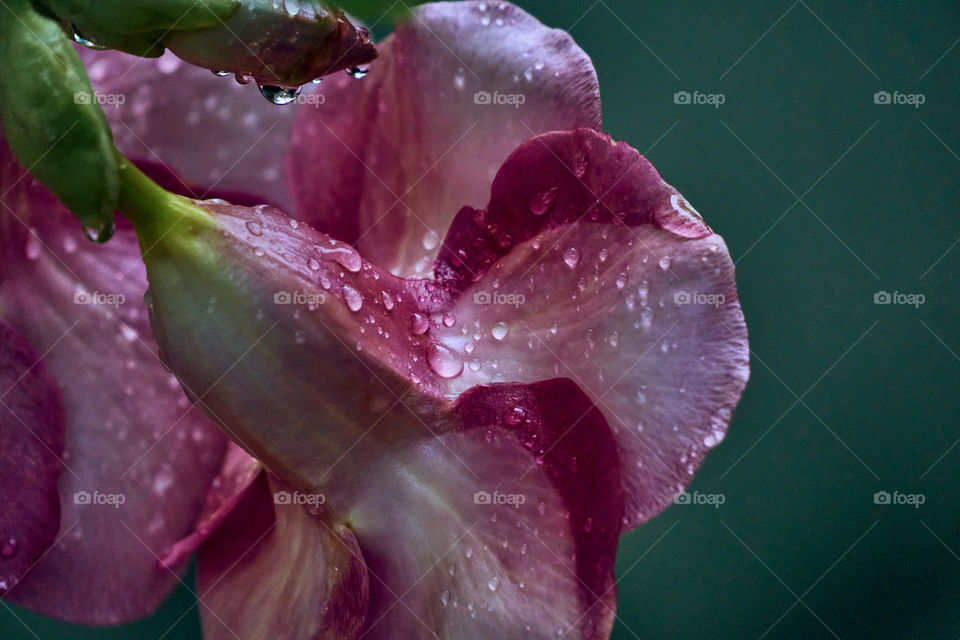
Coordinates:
[280,94]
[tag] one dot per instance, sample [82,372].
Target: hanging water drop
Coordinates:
[87,42]
[358,72]
[242,78]
[279,95]
[316,81]
[221,74]
[101,234]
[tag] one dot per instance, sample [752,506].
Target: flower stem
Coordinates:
[154,211]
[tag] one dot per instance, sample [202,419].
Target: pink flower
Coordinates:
[489,341]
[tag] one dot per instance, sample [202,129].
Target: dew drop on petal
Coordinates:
[388,302]
[358,72]
[352,297]
[8,547]
[494,583]
[542,201]
[313,263]
[255,228]
[571,257]
[419,324]
[500,330]
[664,263]
[445,362]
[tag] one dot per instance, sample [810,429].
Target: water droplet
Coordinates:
[32,249]
[352,297]
[664,263]
[494,583]
[449,320]
[514,417]
[317,81]
[162,482]
[554,329]
[444,361]
[542,201]
[8,547]
[646,318]
[588,525]
[313,263]
[571,257]
[388,302]
[641,397]
[500,330]
[345,256]
[255,228]
[69,244]
[452,570]
[419,324]
[474,365]
[621,280]
[242,78]
[279,95]
[614,339]
[445,598]
[358,72]
[430,240]
[299,337]
[99,234]
[459,79]
[129,334]
[579,164]
[78,38]
[220,73]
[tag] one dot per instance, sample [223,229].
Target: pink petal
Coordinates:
[280,571]
[212,132]
[342,392]
[31,445]
[130,431]
[398,153]
[237,474]
[605,256]
[506,529]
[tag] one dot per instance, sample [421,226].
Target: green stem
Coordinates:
[153,210]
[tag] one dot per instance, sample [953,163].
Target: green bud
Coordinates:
[52,118]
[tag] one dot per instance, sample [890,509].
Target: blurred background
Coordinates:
[822,141]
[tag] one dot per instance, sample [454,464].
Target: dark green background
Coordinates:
[846,398]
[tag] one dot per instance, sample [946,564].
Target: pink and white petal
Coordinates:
[237,474]
[130,431]
[616,284]
[518,542]
[31,446]
[211,132]
[278,570]
[401,151]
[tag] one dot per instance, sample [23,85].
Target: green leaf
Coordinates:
[377,11]
[52,118]
[112,18]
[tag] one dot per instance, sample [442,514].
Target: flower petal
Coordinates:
[212,132]
[506,528]
[31,445]
[586,264]
[404,149]
[131,434]
[237,474]
[276,570]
